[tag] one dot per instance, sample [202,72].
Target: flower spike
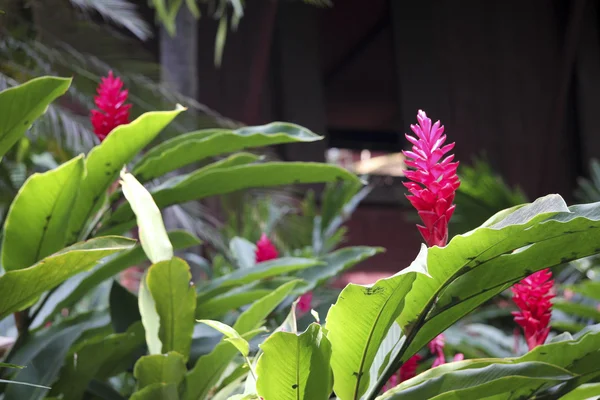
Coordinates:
[533,295]
[434,179]
[112,110]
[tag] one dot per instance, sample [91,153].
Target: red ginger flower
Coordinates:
[265,250]
[111,102]
[434,180]
[407,371]
[532,295]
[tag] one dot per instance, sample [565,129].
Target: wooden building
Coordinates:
[518,79]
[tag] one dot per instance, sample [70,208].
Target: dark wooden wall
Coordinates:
[518,80]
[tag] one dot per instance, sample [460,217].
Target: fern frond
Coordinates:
[120,12]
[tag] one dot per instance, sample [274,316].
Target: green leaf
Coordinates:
[235,298]
[587,288]
[24,383]
[356,336]
[210,367]
[166,369]
[232,335]
[21,288]
[175,301]
[478,265]
[22,105]
[104,162]
[201,184]
[263,270]
[157,391]
[8,365]
[243,251]
[153,235]
[35,225]
[123,308]
[577,309]
[179,239]
[517,380]
[336,263]
[295,366]
[100,357]
[44,354]
[589,391]
[196,146]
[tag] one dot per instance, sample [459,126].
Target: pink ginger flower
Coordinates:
[265,250]
[434,180]
[304,305]
[112,108]
[436,346]
[532,296]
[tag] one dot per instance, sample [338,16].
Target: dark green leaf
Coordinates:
[262,270]
[99,357]
[44,353]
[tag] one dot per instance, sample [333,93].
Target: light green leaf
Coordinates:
[356,336]
[22,105]
[153,235]
[478,265]
[150,317]
[105,271]
[21,288]
[200,184]
[232,335]
[590,391]
[196,146]
[244,252]
[160,368]
[98,358]
[295,367]
[175,300]
[209,368]
[35,225]
[106,160]
[262,270]
[157,391]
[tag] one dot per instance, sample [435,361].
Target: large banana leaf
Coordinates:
[196,146]
[202,183]
[567,360]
